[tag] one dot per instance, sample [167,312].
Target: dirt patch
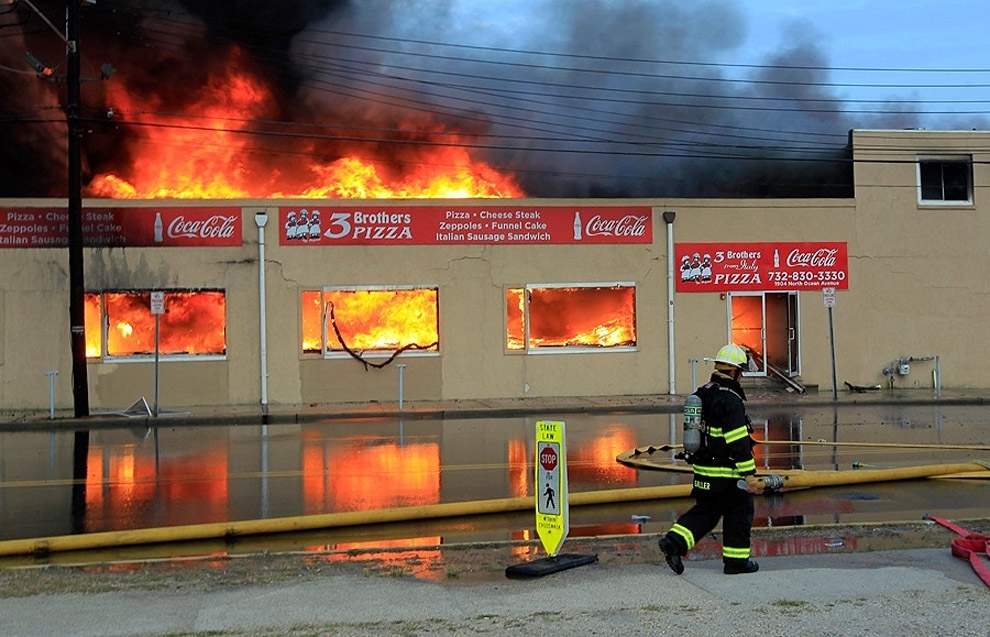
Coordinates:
[453,564]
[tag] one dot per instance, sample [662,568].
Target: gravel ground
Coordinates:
[900,580]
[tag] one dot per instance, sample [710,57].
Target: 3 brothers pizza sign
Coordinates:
[760,267]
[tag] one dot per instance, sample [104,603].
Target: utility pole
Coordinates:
[77,286]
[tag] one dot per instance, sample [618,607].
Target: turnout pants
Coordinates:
[721,499]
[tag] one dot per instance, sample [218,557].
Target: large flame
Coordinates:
[371,319]
[209,152]
[192,324]
[572,316]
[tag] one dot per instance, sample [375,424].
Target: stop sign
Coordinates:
[548,458]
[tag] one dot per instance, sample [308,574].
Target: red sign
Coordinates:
[122,227]
[760,267]
[458,225]
[548,458]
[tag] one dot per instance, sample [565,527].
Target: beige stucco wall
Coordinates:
[916,288]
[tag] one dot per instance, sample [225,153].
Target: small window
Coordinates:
[383,321]
[120,325]
[570,317]
[945,180]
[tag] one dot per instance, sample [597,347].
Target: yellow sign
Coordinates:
[552,520]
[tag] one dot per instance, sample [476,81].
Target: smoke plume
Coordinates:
[573,98]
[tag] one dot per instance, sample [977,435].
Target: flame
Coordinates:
[211,153]
[574,316]
[192,324]
[94,334]
[372,319]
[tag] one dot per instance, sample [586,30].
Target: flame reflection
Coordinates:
[367,474]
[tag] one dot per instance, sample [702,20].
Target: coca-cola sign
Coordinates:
[819,258]
[122,227]
[626,226]
[214,227]
[761,267]
[492,224]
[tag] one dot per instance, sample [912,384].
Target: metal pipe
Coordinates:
[402,369]
[260,219]
[938,376]
[668,218]
[51,374]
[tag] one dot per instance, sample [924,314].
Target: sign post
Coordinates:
[550,492]
[552,519]
[828,298]
[157,308]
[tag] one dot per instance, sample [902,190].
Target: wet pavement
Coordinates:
[799,589]
[217,465]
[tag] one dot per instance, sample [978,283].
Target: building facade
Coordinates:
[301,301]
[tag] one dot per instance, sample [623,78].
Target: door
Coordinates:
[766,323]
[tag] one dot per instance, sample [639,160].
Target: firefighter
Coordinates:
[724,457]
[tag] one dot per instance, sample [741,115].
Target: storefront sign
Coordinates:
[739,267]
[458,225]
[122,227]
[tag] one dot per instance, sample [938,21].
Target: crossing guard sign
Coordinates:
[552,520]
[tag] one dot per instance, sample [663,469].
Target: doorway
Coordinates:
[767,324]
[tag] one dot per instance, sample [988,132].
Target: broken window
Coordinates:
[121,325]
[571,317]
[945,180]
[353,321]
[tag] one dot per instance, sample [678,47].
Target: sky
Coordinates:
[576,98]
[885,34]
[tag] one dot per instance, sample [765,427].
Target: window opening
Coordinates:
[570,317]
[121,325]
[945,180]
[370,321]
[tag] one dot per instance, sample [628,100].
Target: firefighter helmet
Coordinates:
[731,355]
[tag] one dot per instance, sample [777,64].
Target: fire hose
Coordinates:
[968,547]
[243,528]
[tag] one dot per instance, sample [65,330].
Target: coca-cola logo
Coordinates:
[627,226]
[215,227]
[820,258]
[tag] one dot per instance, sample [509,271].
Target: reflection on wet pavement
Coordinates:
[138,478]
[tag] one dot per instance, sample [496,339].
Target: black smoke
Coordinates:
[576,98]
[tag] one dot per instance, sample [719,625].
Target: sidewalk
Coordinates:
[477,408]
[919,592]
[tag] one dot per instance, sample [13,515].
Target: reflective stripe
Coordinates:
[685,534]
[747,466]
[732,553]
[736,434]
[719,472]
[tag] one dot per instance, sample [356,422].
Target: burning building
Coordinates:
[307,207]
[481,298]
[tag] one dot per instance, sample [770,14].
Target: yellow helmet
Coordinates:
[731,355]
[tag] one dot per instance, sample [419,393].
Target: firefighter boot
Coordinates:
[669,550]
[737,567]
